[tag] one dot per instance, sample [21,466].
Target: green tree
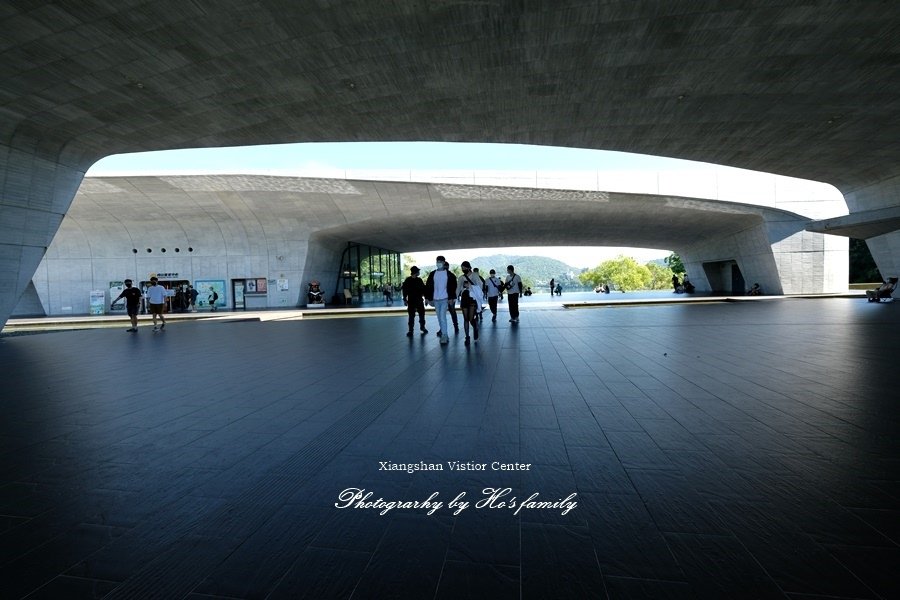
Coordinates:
[623,272]
[675,264]
[660,276]
[407,261]
[862,265]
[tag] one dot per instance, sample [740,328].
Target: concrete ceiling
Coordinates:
[807,89]
[593,219]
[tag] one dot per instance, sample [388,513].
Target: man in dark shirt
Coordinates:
[192,297]
[132,297]
[414,298]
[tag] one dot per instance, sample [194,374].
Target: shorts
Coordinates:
[156,309]
[133,310]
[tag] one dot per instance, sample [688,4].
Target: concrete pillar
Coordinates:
[778,254]
[885,248]
[34,195]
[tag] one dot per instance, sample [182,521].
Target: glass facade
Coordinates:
[364,272]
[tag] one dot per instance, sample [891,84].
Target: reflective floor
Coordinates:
[726,450]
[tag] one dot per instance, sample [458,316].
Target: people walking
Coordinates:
[388,291]
[413,290]
[439,288]
[132,297]
[213,300]
[471,299]
[156,298]
[513,285]
[494,286]
[451,304]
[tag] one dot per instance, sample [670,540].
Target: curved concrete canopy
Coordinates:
[118,213]
[448,216]
[797,88]
[226,227]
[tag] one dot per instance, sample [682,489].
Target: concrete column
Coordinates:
[885,248]
[777,254]
[34,195]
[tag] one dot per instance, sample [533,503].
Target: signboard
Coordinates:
[115,288]
[98,302]
[205,289]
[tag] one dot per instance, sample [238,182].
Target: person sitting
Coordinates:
[755,290]
[885,290]
[687,285]
[314,293]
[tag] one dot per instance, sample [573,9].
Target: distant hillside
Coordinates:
[535,270]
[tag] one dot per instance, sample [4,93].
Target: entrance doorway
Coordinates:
[724,277]
[177,296]
[237,292]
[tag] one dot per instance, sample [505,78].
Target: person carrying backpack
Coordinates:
[513,284]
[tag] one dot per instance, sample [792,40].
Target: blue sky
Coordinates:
[386,155]
[408,156]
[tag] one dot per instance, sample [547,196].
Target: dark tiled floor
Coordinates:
[732,450]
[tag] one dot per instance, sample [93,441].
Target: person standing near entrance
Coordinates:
[132,297]
[156,298]
[494,286]
[552,286]
[413,290]
[192,297]
[513,284]
[439,288]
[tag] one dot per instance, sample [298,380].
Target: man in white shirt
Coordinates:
[493,293]
[156,300]
[440,287]
[513,283]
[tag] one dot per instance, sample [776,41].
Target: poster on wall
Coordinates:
[282,285]
[207,290]
[261,286]
[98,302]
[115,288]
[250,286]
